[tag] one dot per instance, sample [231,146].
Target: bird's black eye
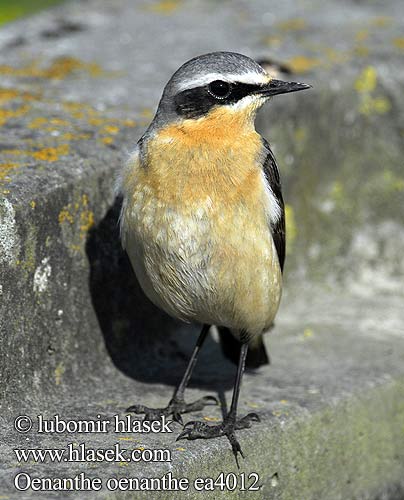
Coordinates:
[219,89]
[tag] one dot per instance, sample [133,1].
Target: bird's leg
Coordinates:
[177,404]
[203,430]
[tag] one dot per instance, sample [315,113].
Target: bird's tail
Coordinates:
[256,354]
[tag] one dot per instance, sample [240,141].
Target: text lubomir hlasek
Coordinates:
[117,424]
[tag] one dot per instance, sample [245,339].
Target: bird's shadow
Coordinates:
[143,342]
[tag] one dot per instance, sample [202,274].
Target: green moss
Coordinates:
[13,9]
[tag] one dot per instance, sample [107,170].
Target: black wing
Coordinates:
[272,175]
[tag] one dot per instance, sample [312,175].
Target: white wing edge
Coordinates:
[273,208]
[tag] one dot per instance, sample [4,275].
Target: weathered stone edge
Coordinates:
[350,449]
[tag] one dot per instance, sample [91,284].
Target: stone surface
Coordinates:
[78,85]
[331,406]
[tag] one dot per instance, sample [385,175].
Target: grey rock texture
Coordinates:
[77,335]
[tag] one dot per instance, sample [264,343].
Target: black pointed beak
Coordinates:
[275,87]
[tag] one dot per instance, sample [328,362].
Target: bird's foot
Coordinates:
[203,430]
[175,407]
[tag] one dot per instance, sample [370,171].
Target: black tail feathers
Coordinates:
[256,355]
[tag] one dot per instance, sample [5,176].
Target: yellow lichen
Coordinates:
[334,56]
[374,105]
[106,125]
[15,152]
[392,181]
[7,114]
[291,228]
[6,69]
[37,122]
[32,204]
[60,68]
[399,42]
[59,371]
[84,200]
[361,51]
[296,24]
[73,106]
[303,64]
[107,140]
[110,129]
[381,21]
[7,94]
[44,154]
[96,121]
[51,154]
[146,113]
[65,216]
[365,85]
[129,123]
[68,136]
[252,405]
[76,109]
[5,169]
[362,35]
[337,191]
[64,66]
[87,222]
[51,123]
[367,80]
[77,219]
[165,6]
[273,41]
[301,134]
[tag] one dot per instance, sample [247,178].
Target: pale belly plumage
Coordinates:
[206,263]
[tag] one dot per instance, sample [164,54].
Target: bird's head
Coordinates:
[219,84]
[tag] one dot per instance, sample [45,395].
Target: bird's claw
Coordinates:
[202,430]
[177,417]
[199,430]
[236,448]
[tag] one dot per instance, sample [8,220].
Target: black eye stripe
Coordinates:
[196,102]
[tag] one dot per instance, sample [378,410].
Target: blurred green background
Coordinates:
[13,9]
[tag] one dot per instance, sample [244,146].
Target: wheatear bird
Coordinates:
[203,217]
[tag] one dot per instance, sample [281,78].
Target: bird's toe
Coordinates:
[247,421]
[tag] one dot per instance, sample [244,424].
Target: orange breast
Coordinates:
[214,157]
